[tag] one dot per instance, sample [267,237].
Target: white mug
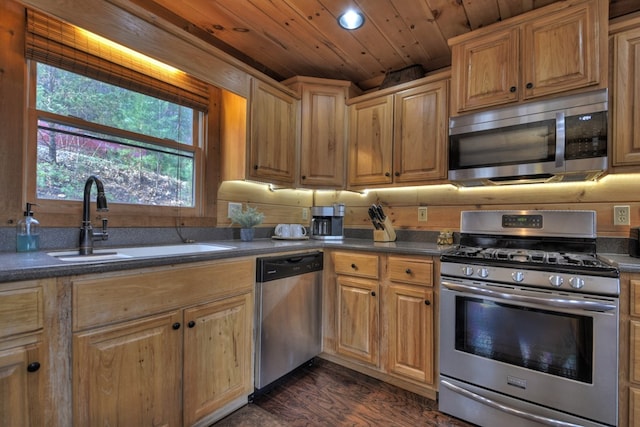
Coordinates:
[283,230]
[297,230]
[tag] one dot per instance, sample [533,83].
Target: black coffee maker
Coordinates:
[327,222]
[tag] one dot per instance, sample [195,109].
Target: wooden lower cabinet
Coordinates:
[380,317]
[217,355]
[357,317]
[129,374]
[410,318]
[24,369]
[173,348]
[20,386]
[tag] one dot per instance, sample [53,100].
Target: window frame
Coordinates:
[66,206]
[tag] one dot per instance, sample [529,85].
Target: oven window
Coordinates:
[547,341]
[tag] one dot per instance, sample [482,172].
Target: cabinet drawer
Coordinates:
[411,270]
[103,300]
[20,311]
[361,265]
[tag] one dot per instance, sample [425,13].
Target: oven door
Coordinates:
[553,349]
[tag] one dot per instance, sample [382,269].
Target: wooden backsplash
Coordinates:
[444,202]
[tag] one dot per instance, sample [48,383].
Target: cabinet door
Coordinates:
[561,51]
[217,355]
[358,319]
[323,142]
[19,387]
[420,133]
[410,314]
[273,135]
[485,70]
[626,98]
[370,142]
[129,374]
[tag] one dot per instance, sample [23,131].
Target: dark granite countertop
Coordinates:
[39,265]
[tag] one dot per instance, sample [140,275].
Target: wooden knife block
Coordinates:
[386,235]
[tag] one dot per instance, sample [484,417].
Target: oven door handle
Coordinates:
[504,408]
[553,302]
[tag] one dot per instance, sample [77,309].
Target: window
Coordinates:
[97,109]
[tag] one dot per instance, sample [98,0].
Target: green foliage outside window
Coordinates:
[135,168]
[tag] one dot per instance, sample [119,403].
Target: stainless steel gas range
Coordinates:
[529,322]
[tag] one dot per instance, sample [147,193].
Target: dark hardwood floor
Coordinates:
[326,394]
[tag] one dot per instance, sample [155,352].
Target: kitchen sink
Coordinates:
[139,252]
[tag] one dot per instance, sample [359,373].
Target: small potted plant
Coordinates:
[247,219]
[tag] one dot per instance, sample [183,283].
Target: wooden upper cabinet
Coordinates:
[400,137]
[560,51]
[558,48]
[272,153]
[626,97]
[371,142]
[420,133]
[485,70]
[323,130]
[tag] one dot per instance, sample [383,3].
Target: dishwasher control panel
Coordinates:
[278,267]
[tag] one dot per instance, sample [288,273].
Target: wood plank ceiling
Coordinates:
[285,38]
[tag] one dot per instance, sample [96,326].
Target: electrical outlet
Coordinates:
[422,214]
[621,215]
[305,214]
[232,208]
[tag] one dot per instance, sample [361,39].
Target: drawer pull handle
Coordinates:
[373,293]
[408,271]
[33,366]
[191,323]
[355,267]
[427,302]
[176,326]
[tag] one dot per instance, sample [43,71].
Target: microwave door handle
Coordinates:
[552,302]
[560,139]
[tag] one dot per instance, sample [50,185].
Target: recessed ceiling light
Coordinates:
[351,20]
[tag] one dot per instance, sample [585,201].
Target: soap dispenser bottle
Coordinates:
[28,238]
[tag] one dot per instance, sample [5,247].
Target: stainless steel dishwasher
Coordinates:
[288,314]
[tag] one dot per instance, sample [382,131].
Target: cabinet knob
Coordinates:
[512,89]
[176,326]
[529,85]
[255,167]
[355,267]
[373,293]
[191,323]
[304,177]
[33,366]
[387,174]
[427,302]
[397,174]
[408,271]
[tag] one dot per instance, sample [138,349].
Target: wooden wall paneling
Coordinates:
[12,89]
[278,205]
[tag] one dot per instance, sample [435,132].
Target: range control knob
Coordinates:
[483,272]
[517,276]
[576,283]
[467,271]
[556,280]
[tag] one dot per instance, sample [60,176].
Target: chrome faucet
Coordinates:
[87,235]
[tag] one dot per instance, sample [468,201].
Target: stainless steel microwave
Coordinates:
[561,139]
